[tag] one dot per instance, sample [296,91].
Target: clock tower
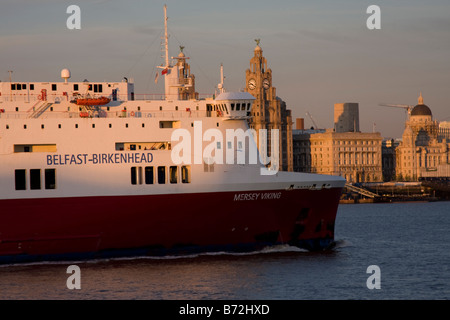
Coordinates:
[269,111]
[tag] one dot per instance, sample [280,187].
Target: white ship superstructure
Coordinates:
[88,168]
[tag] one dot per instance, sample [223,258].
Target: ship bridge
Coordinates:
[234,105]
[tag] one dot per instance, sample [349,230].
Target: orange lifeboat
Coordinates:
[92,101]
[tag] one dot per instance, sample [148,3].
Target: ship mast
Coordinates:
[166,37]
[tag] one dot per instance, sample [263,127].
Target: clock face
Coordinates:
[252,84]
[266,84]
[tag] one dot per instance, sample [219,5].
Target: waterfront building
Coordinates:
[342,151]
[269,111]
[424,149]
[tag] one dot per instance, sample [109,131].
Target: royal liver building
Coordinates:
[269,111]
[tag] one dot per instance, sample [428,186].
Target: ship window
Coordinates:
[208,165]
[140,175]
[161,175]
[149,175]
[35,179]
[170,124]
[34,148]
[50,178]
[173,174]
[136,175]
[98,88]
[186,174]
[133,175]
[31,86]
[20,179]
[54,87]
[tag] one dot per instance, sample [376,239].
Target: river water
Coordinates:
[407,243]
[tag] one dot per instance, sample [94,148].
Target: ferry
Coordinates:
[108,178]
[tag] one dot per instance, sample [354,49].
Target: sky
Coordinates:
[320,52]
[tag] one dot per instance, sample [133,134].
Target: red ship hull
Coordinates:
[91,227]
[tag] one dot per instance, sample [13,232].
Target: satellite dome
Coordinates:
[65,74]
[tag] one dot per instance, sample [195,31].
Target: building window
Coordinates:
[20,179]
[35,179]
[31,86]
[75,87]
[54,87]
[50,178]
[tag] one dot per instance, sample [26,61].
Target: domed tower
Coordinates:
[421,110]
[419,137]
[269,111]
[422,124]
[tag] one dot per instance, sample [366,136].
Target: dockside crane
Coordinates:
[312,120]
[408,108]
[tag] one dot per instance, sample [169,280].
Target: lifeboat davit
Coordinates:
[92,101]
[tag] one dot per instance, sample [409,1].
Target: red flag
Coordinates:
[164,71]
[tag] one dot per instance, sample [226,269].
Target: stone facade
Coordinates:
[356,156]
[424,149]
[269,111]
